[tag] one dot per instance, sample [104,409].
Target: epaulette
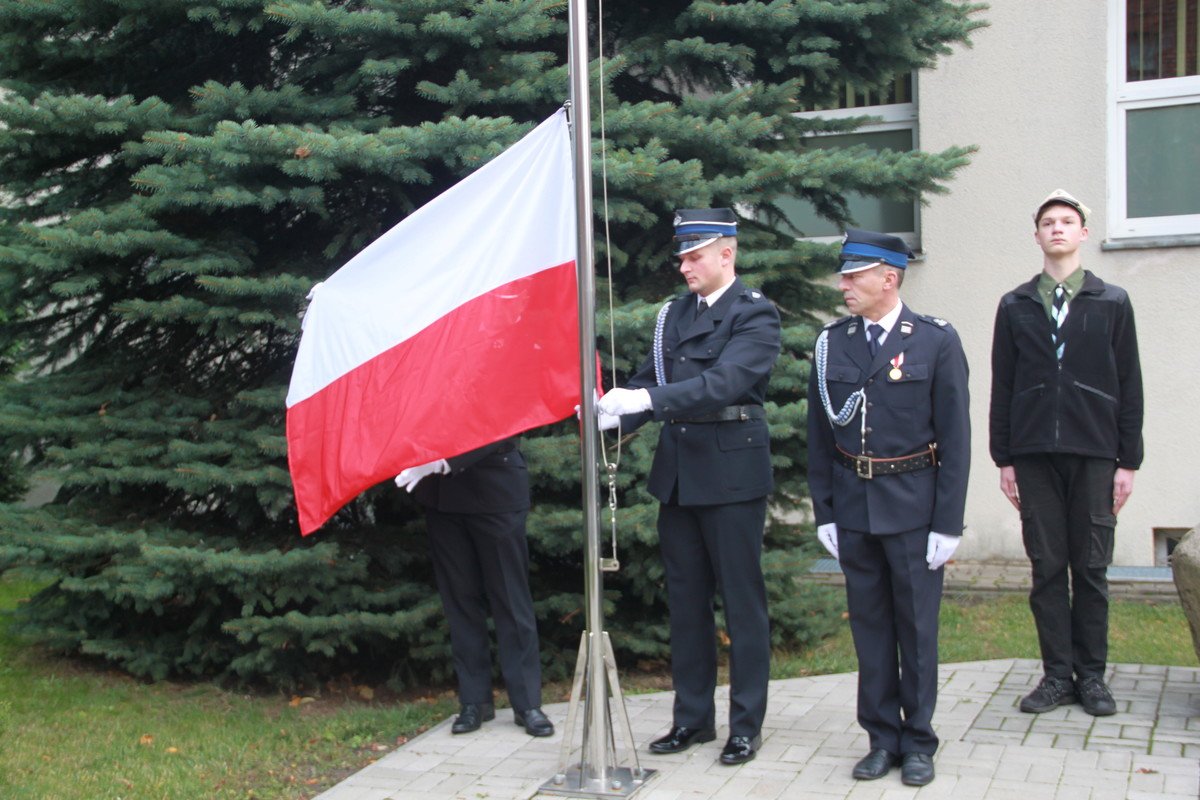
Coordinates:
[936,322]
[753,295]
[837,322]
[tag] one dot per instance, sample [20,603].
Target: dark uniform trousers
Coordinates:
[893,599]
[712,479]
[706,549]
[475,518]
[1068,525]
[916,394]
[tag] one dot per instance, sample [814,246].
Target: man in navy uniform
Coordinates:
[1066,433]
[705,381]
[475,510]
[889,440]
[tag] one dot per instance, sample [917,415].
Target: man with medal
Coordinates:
[889,440]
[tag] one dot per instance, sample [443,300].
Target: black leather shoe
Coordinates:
[874,765]
[680,739]
[534,722]
[916,769]
[1050,694]
[471,716]
[740,749]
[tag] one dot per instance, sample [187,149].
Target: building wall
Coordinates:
[1032,94]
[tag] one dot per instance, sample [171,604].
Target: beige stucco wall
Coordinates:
[1032,94]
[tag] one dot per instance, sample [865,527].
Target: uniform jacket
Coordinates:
[723,357]
[1088,404]
[490,480]
[928,403]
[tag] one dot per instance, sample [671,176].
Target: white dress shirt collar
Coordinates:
[715,295]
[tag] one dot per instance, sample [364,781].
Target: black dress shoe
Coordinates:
[534,722]
[740,749]
[471,716]
[874,765]
[916,769]
[680,739]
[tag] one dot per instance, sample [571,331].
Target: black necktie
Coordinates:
[701,307]
[873,334]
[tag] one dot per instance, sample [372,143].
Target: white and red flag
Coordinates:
[456,328]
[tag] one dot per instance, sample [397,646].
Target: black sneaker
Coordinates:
[1095,697]
[1050,694]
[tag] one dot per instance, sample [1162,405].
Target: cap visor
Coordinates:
[693,244]
[857,266]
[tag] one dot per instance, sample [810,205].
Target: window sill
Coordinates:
[1152,242]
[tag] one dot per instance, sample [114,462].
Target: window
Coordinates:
[895,130]
[1154,147]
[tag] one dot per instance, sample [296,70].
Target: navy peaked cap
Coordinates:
[696,227]
[864,249]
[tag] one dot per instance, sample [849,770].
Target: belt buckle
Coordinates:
[862,467]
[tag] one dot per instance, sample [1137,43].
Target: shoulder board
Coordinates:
[753,295]
[937,322]
[838,322]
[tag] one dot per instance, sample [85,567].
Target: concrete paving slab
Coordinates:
[1149,750]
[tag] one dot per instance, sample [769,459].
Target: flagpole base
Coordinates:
[622,782]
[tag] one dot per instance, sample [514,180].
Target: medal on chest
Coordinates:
[895,373]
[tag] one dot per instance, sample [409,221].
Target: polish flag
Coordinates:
[456,328]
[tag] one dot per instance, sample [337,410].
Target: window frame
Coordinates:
[1126,96]
[891,117]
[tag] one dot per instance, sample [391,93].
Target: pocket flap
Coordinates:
[843,374]
[911,372]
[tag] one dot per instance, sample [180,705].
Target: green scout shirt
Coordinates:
[1046,285]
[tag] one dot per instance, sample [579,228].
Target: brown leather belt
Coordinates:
[867,467]
[729,414]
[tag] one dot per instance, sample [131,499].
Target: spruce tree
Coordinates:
[175,176]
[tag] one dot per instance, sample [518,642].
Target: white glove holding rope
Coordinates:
[618,402]
[941,548]
[827,533]
[409,478]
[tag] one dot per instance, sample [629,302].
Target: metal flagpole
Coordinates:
[596,774]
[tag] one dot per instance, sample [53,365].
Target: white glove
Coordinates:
[940,548]
[409,478]
[624,401]
[827,533]
[606,422]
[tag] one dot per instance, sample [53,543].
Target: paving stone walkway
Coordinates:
[990,751]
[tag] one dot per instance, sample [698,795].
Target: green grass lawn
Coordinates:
[69,731]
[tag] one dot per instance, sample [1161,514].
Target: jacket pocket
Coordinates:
[911,390]
[702,349]
[742,435]
[843,374]
[1092,390]
[1100,553]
